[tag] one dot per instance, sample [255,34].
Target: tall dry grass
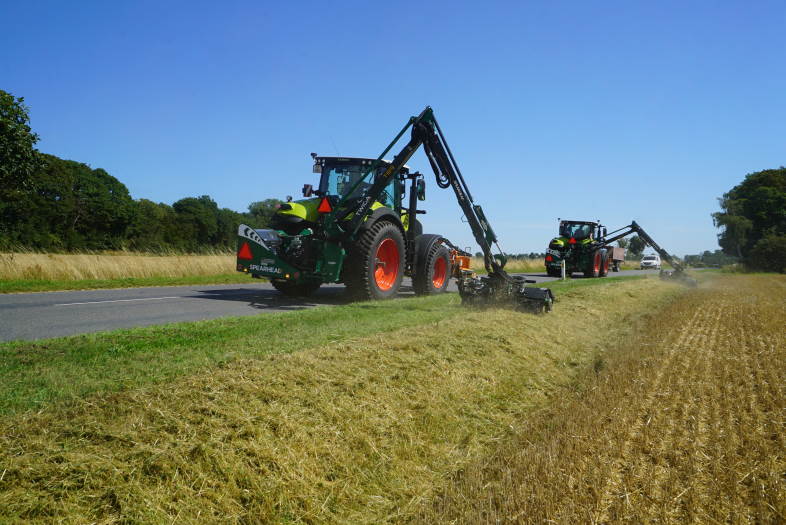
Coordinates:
[358,431]
[685,424]
[74,267]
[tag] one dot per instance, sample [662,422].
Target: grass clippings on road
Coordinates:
[361,428]
[685,423]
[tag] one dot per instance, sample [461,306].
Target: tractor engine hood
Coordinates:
[293,217]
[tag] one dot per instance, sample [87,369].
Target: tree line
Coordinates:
[53,204]
[753,221]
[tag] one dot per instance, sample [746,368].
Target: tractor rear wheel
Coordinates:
[593,270]
[604,264]
[433,272]
[291,289]
[375,264]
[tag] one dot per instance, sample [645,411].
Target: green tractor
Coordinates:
[585,246]
[582,248]
[359,227]
[297,255]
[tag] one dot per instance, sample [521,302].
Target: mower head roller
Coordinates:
[678,276]
[503,290]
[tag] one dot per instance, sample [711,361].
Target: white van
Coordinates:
[650,262]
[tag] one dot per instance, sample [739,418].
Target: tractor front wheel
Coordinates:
[375,264]
[433,274]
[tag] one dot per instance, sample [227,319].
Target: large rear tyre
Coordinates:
[433,272]
[291,289]
[375,264]
[604,264]
[554,272]
[594,266]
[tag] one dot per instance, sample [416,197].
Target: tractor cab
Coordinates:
[341,179]
[578,230]
[342,176]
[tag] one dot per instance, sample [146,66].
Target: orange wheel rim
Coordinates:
[387,262]
[597,261]
[440,272]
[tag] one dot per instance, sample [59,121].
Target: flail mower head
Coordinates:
[678,276]
[503,290]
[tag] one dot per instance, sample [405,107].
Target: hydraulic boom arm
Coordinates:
[498,286]
[427,133]
[633,227]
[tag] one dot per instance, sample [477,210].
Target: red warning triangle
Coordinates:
[324,206]
[245,252]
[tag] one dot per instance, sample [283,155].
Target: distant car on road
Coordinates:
[650,262]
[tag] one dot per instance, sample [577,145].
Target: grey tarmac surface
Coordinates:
[42,315]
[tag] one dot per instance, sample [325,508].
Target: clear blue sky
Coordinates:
[611,110]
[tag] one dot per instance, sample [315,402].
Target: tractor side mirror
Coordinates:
[308,190]
[421,189]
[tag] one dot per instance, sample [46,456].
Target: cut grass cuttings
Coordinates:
[33,373]
[360,430]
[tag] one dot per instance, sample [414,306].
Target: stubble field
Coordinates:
[685,424]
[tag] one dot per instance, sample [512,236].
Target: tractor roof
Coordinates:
[352,160]
[578,222]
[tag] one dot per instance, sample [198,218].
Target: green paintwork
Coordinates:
[330,263]
[577,256]
[264,262]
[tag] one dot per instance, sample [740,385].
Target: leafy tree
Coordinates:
[769,254]
[751,212]
[262,211]
[623,243]
[18,159]
[636,246]
[228,222]
[70,206]
[197,219]
[153,227]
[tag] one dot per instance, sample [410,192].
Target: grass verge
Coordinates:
[359,426]
[34,373]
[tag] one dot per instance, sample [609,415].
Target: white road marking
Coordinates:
[119,301]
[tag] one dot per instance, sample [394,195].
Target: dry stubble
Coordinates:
[686,424]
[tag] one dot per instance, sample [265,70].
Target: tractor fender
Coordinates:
[382,213]
[423,244]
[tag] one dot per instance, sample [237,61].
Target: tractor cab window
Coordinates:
[577,231]
[339,180]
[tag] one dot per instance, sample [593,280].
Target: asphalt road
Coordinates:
[42,315]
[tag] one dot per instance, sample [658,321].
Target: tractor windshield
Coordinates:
[339,180]
[577,231]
